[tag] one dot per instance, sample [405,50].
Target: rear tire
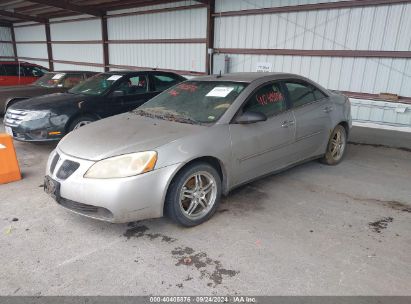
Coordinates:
[337,145]
[80,122]
[193,195]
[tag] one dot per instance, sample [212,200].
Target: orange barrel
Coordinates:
[9,166]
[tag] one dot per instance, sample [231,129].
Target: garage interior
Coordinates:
[312,230]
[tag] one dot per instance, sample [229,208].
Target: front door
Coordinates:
[266,146]
[129,94]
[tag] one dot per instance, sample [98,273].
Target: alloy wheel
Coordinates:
[198,195]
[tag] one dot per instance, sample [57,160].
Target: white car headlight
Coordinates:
[33,115]
[123,166]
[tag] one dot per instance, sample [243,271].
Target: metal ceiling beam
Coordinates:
[22,17]
[71,7]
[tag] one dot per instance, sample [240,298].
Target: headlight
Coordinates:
[32,115]
[123,165]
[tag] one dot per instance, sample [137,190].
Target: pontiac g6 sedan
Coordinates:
[178,153]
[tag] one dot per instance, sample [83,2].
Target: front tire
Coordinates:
[194,195]
[80,122]
[337,145]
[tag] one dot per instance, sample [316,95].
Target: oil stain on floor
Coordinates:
[139,231]
[209,269]
[381,224]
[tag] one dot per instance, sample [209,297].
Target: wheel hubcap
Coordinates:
[81,124]
[337,146]
[198,195]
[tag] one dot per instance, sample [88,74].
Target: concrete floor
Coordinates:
[313,230]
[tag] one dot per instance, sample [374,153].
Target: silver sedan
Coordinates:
[178,153]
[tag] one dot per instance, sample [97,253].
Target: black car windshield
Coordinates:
[50,80]
[96,85]
[193,101]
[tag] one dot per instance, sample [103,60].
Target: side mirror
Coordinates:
[117,94]
[250,117]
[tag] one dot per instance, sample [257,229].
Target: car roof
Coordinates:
[125,72]
[74,71]
[246,76]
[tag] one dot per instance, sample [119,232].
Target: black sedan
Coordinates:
[50,117]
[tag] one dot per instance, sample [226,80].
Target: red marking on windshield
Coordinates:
[188,87]
[173,93]
[270,97]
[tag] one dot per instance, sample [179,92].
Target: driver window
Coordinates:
[133,85]
[268,100]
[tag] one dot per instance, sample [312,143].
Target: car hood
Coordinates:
[48,102]
[122,134]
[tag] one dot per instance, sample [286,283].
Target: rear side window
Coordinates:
[268,100]
[32,71]
[302,93]
[163,82]
[13,70]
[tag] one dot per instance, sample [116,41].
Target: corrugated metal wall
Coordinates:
[235,5]
[6,49]
[79,32]
[179,24]
[375,28]
[37,46]
[386,27]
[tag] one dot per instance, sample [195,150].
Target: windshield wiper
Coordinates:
[167,116]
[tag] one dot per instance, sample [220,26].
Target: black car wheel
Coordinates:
[80,122]
[194,195]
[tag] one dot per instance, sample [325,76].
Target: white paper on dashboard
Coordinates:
[58,76]
[220,92]
[114,77]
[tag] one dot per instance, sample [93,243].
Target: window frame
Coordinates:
[282,88]
[305,83]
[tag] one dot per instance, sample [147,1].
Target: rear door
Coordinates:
[13,74]
[263,147]
[311,108]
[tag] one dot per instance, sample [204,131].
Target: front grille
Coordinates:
[54,163]
[67,169]
[97,212]
[79,207]
[13,118]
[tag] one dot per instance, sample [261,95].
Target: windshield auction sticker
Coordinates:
[220,92]
[58,76]
[114,77]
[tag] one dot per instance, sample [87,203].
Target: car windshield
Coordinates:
[96,85]
[196,102]
[50,80]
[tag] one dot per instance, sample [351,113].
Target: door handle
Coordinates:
[287,123]
[328,109]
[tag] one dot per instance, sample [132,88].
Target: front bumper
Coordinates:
[36,130]
[117,200]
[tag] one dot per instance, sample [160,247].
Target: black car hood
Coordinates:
[50,101]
